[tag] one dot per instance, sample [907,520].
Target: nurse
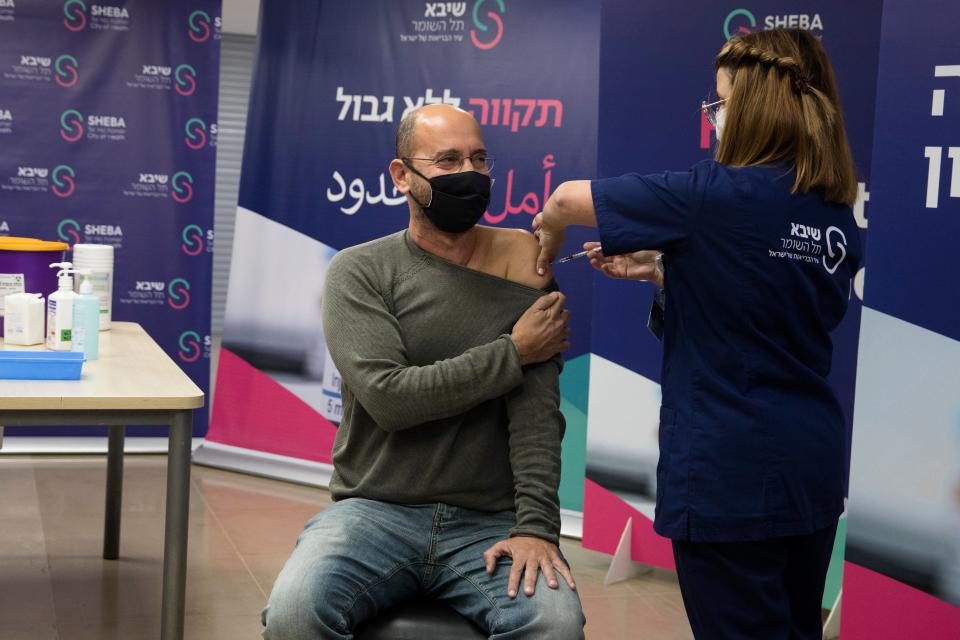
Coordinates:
[759,248]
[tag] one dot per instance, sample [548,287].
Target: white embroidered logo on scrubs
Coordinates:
[806,243]
[833,258]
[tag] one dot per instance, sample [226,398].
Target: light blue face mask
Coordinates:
[721,120]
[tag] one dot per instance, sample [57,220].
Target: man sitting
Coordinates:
[447,461]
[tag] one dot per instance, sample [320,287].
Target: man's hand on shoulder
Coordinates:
[530,556]
[543,330]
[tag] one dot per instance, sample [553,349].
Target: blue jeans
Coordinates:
[359,557]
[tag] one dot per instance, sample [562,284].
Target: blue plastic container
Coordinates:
[40,365]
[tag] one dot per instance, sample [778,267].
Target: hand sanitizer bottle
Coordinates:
[60,310]
[86,320]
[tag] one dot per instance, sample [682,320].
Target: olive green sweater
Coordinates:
[436,407]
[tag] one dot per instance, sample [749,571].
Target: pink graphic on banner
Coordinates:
[517,112]
[71,125]
[190,349]
[182,183]
[66,71]
[878,607]
[196,130]
[480,26]
[530,202]
[248,400]
[705,130]
[63,181]
[186,80]
[605,515]
[496,39]
[68,230]
[199,23]
[75,12]
[192,240]
[178,294]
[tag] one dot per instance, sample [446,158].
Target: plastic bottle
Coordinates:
[86,320]
[97,260]
[60,310]
[23,319]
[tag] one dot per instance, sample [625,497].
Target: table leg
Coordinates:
[175,536]
[111,519]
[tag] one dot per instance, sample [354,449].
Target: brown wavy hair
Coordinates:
[784,107]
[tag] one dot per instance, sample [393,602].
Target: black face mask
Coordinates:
[458,199]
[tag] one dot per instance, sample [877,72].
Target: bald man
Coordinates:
[447,462]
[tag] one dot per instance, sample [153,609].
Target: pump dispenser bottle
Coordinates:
[86,319]
[60,310]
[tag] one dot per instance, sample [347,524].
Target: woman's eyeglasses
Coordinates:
[710,109]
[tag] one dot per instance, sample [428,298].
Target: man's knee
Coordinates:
[304,607]
[561,623]
[549,613]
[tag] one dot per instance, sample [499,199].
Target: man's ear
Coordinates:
[399,174]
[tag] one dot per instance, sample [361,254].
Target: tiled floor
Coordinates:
[54,584]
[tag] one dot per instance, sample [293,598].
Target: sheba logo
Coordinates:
[32,172]
[71,127]
[742,21]
[113,122]
[192,240]
[794,21]
[5,115]
[444,9]
[66,68]
[154,178]
[35,61]
[108,12]
[156,70]
[69,230]
[488,41]
[196,130]
[147,285]
[63,180]
[75,12]
[804,231]
[7,4]
[102,230]
[182,187]
[186,77]
[836,249]
[178,294]
[199,25]
[190,350]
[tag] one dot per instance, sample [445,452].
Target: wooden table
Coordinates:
[132,383]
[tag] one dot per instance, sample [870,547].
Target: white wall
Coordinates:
[240,16]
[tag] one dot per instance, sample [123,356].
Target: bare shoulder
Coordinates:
[522,249]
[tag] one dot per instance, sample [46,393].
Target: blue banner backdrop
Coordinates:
[333,81]
[904,520]
[325,109]
[108,130]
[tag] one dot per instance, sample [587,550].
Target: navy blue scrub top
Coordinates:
[751,433]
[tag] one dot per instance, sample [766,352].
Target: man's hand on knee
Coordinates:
[530,556]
